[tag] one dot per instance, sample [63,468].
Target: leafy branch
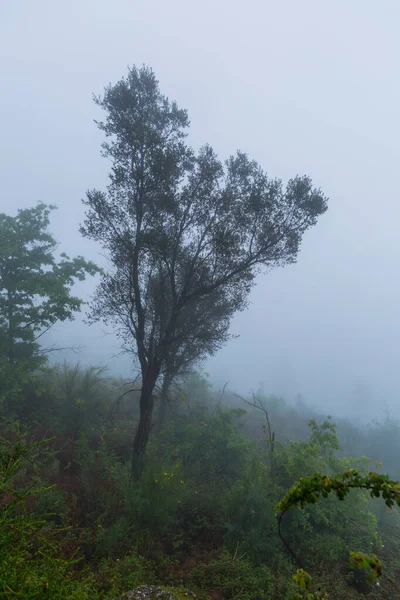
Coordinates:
[309,490]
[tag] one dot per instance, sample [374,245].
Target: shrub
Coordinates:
[236,578]
[30,565]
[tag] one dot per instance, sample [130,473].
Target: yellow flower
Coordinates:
[179,501]
[181,481]
[79,401]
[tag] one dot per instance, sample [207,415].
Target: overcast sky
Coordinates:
[305,87]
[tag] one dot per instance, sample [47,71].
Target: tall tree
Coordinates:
[35,288]
[182,229]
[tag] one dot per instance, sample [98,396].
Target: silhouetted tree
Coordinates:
[182,230]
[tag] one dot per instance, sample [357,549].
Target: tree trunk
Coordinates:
[162,409]
[144,425]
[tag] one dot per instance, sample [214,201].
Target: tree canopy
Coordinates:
[35,287]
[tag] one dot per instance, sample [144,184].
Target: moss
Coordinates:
[150,592]
[182,593]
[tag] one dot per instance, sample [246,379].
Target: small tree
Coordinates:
[182,229]
[35,289]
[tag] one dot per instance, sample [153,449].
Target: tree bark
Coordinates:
[162,409]
[145,423]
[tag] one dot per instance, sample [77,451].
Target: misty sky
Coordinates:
[304,87]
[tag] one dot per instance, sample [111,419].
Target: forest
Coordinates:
[163,483]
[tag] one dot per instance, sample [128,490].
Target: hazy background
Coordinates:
[303,87]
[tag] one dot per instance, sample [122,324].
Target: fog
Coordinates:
[303,87]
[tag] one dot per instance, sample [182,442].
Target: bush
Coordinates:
[30,563]
[113,577]
[236,578]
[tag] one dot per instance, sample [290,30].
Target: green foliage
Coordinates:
[30,565]
[236,578]
[35,293]
[308,490]
[248,509]
[113,577]
[51,505]
[203,513]
[12,492]
[371,564]
[97,473]
[82,396]
[115,539]
[153,502]
[302,579]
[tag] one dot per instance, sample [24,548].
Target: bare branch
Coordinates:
[218,403]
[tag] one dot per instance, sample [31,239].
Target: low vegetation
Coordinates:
[74,524]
